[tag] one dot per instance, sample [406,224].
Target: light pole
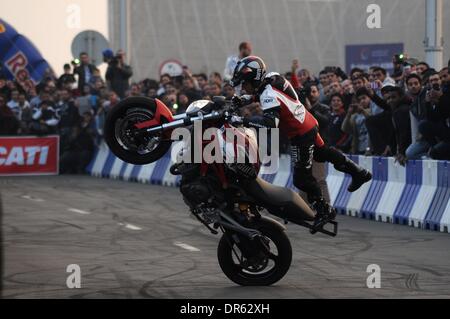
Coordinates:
[123,22]
[433,34]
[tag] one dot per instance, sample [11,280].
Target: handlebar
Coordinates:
[186,121]
[229,107]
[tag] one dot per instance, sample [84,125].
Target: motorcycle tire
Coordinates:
[143,108]
[235,273]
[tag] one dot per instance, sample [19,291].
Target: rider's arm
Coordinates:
[271,112]
[269,119]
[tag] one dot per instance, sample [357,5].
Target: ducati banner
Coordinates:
[26,155]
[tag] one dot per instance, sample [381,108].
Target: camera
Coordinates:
[399,58]
[115,60]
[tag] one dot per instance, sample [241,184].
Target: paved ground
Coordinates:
[130,242]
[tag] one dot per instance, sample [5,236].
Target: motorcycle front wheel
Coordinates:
[263,267]
[120,131]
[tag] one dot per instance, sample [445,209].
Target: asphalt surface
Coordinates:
[138,241]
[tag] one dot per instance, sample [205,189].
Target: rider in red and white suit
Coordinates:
[282,109]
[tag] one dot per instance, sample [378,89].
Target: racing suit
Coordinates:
[283,109]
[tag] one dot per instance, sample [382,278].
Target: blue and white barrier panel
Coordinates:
[416,195]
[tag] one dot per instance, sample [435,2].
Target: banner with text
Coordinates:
[26,155]
[366,55]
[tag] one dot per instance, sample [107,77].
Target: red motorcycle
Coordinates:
[227,196]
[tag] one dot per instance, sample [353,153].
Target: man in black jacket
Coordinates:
[69,117]
[399,105]
[417,93]
[84,71]
[118,74]
[436,128]
[321,112]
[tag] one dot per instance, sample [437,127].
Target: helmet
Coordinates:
[250,69]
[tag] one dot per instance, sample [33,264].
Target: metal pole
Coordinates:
[433,34]
[123,13]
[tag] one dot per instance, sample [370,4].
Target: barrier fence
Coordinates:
[416,195]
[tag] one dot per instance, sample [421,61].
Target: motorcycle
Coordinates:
[227,197]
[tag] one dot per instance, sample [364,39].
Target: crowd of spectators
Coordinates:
[405,114]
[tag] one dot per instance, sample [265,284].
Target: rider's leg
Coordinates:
[302,153]
[342,163]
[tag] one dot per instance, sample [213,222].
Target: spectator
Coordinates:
[45,120]
[85,102]
[84,71]
[80,148]
[332,75]
[445,78]
[152,93]
[355,72]
[164,80]
[3,88]
[113,99]
[66,77]
[69,117]
[355,123]
[9,124]
[418,113]
[338,138]
[118,74]
[202,80]
[320,111]
[382,77]
[347,92]
[323,83]
[333,89]
[13,104]
[310,96]
[135,90]
[422,67]
[436,128]
[26,116]
[190,88]
[245,50]
[95,79]
[215,90]
[399,105]
[216,78]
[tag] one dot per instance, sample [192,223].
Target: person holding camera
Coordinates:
[118,74]
[355,123]
[435,129]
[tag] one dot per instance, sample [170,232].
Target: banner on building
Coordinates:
[366,55]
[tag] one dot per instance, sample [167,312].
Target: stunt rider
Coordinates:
[283,109]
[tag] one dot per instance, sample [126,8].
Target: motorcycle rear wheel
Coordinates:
[252,277]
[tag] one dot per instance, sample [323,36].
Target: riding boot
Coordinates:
[324,211]
[359,174]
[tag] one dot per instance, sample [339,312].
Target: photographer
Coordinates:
[355,123]
[436,128]
[118,73]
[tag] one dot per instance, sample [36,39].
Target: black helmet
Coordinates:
[251,69]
